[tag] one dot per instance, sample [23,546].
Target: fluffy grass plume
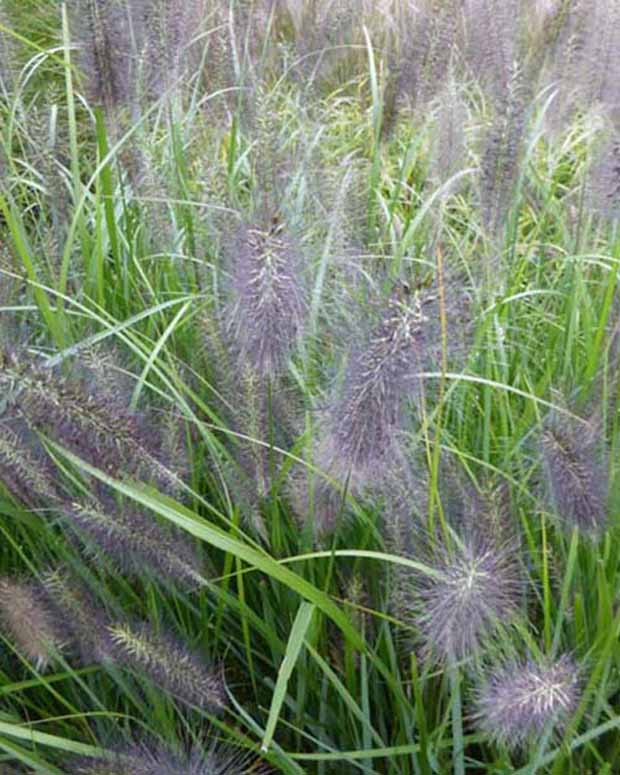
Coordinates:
[156,760]
[522,700]
[29,621]
[267,314]
[136,541]
[475,589]
[77,616]
[576,473]
[80,412]
[24,469]
[169,664]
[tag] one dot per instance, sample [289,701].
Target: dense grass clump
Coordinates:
[309,387]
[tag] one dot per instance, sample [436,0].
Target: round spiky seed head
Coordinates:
[29,621]
[522,700]
[169,664]
[155,760]
[473,592]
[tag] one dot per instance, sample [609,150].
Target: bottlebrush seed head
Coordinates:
[522,700]
[80,412]
[29,621]
[78,616]
[169,664]
[474,593]
[24,469]
[267,314]
[134,540]
[363,427]
[576,473]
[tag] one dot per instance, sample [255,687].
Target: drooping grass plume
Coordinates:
[24,468]
[156,760]
[135,541]
[267,314]
[78,616]
[28,620]
[169,664]
[79,411]
[522,700]
[576,472]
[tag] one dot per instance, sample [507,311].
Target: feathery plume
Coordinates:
[168,664]
[576,472]
[476,583]
[24,468]
[493,30]
[136,540]
[430,34]
[109,38]
[363,426]
[474,593]
[603,189]
[78,616]
[81,414]
[522,700]
[7,56]
[156,760]
[449,152]
[267,315]
[499,165]
[25,614]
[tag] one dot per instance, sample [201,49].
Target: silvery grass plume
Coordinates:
[429,41]
[267,313]
[599,82]
[24,467]
[363,426]
[110,38]
[169,664]
[493,30]
[29,621]
[172,48]
[520,701]
[603,185]
[135,541]
[449,150]
[80,412]
[7,56]
[501,155]
[576,471]
[156,760]
[475,586]
[78,616]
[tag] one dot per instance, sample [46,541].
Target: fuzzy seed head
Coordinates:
[155,760]
[267,316]
[23,468]
[474,593]
[521,701]
[168,664]
[576,474]
[364,425]
[29,621]
[135,540]
[78,616]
